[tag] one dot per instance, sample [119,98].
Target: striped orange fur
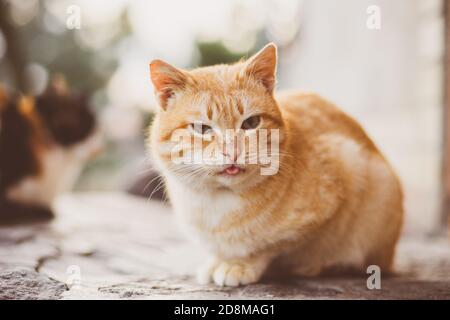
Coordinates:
[335,202]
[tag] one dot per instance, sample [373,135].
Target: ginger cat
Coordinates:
[334,202]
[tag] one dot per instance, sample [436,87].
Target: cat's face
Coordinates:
[67,117]
[45,142]
[213,121]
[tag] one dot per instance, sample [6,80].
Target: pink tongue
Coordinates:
[232,170]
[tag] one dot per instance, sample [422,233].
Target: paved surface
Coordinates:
[113,246]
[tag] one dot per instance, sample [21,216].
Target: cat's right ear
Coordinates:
[26,105]
[263,66]
[167,80]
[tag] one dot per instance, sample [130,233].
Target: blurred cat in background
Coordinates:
[44,143]
[335,202]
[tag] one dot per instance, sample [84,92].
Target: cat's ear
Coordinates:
[26,105]
[166,80]
[263,66]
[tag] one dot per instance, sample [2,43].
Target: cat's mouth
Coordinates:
[232,170]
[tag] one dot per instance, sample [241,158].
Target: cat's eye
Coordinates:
[251,123]
[201,128]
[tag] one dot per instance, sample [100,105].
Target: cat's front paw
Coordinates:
[205,272]
[233,274]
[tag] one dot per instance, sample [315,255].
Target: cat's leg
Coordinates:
[206,271]
[234,272]
[17,213]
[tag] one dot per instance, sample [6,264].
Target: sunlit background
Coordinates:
[390,78]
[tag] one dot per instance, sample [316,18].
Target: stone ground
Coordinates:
[114,246]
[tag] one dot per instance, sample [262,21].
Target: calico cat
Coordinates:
[334,202]
[44,142]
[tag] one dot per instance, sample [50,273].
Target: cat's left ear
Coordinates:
[263,66]
[26,105]
[167,80]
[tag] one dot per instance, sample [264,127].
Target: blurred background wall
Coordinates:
[389,78]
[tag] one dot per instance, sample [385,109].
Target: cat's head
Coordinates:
[68,117]
[211,120]
[38,134]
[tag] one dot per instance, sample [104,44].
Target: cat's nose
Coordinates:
[231,151]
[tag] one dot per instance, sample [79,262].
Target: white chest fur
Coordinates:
[207,209]
[60,169]
[203,215]
[199,212]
